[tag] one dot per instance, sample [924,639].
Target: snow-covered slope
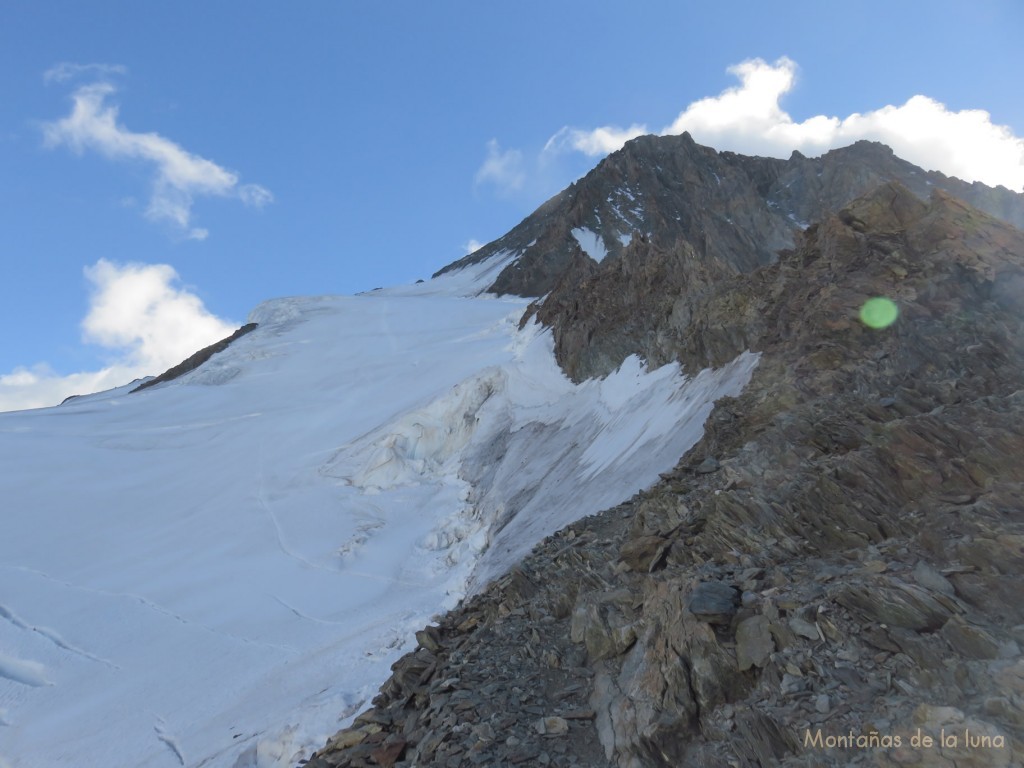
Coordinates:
[220,570]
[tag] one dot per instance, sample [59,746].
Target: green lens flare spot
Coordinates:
[879,312]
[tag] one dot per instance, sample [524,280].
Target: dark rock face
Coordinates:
[194,361]
[841,555]
[675,195]
[858,470]
[668,305]
[714,602]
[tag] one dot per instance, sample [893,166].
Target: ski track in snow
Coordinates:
[306,616]
[167,739]
[52,636]
[150,606]
[23,671]
[279,534]
[307,563]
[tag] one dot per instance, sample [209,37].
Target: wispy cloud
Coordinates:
[749,118]
[141,316]
[67,70]
[179,175]
[596,142]
[503,169]
[472,245]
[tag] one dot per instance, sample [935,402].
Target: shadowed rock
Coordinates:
[670,193]
[194,361]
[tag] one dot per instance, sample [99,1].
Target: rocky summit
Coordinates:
[728,209]
[834,574]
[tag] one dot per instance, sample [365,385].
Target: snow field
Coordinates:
[219,571]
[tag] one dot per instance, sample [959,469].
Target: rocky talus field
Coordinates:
[832,576]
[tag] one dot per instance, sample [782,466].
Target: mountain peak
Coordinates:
[729,208]
[866,145]
[854,515]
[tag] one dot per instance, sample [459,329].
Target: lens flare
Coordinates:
[879,312]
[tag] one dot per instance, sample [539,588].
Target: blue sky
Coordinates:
[262,149]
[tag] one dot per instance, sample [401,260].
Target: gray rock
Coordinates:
[551,726]
[804,629]
[714,602]
[429,638]
[709,465]
[754,643]
[644,553]
[791,684]
[929,578]
[601,623]
[896,604]
[969,640]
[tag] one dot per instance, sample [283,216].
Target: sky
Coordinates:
[165,167]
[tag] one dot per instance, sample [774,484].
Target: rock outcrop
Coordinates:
[672,194]
[832,576]
[192,362]
[861,476]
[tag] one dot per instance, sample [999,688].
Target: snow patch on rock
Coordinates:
[591,243]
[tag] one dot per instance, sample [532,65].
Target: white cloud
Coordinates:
[255,195]
[137,308]
[180,175]
[502,168]
[749,118]
[472,245]
[139,314]
[40,387]
[67,70]
[598,142]
[965,144]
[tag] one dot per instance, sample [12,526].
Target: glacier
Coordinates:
[219,571]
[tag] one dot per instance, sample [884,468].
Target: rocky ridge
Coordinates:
[737,211]
[837,565]
[195,360]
